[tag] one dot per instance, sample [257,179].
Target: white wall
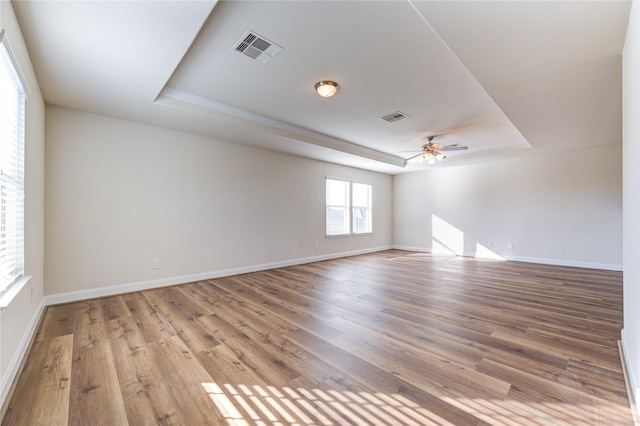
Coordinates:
[120,194]
[18,320]
[631,184]
[564,208]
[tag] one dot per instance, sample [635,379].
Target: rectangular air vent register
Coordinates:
[394,116]
[257,47]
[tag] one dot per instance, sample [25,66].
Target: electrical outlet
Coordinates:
[510,245]
[156,263]
[490,243]
[315,246]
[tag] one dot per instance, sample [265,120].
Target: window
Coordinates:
[12,105]
[348,207]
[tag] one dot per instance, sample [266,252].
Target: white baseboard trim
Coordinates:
[631,377]
[565,262]
[544,261]
[409,248]
[75,296]
[16,362]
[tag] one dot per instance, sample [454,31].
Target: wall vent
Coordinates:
[394,116]
[257,47]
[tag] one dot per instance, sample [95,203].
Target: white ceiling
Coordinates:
[504,78]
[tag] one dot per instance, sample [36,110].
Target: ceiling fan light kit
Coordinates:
[431,158]
[327,88]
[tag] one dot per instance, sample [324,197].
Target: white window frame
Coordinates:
[12,147]
[349,208]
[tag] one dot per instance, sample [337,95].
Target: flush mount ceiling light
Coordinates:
[326,89]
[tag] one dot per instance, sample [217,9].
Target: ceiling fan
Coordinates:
[432,152]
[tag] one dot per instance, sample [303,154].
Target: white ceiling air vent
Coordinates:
[257,47]
[394,116]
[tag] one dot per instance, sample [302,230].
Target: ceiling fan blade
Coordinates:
[455,147]
[415,156]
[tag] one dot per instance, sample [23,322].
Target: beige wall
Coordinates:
[631,143]
[120,194]
[564,208]
[19,318]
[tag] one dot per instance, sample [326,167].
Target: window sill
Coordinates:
[338,236]
[361,234]
[12,291]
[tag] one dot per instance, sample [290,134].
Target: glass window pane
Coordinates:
[337,221]
[361,195]
[337,192]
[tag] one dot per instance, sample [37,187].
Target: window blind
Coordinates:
[12,115]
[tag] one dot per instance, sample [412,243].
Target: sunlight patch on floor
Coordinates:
[244,405]
[518,413]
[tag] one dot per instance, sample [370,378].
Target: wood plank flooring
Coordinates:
[391,338]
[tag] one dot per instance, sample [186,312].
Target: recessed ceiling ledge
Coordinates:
[203,106]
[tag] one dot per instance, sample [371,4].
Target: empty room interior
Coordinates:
[320,212]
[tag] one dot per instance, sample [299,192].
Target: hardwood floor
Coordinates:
[392,338]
